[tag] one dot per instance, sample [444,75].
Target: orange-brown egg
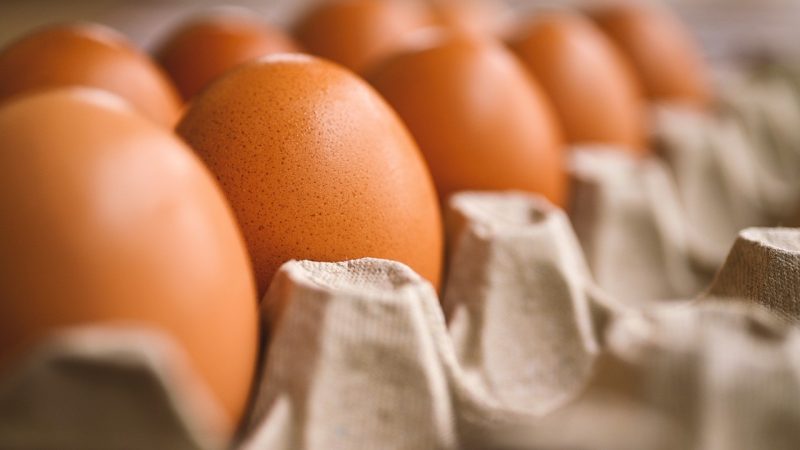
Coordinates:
[316,166]
[480,120]
[358,33]
[472,16]
[206,47]
[595,95]
[89,55]
[667,61]
[109,218]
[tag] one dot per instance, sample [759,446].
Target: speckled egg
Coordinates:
[90,55]
[480,120]
[316,166]
[107,218]
[207,46]
[667,61]
[358,33]
[591,86]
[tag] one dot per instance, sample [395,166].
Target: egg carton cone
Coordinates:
[107,387]
[631,225]
[659,228]
[776,285]
[713,171]
[766,107]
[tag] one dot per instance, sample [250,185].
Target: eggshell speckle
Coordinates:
[592,88]
[316,166]
[206,47]
[480,120]
[109,218]
[88,55]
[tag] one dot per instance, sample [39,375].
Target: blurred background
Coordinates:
[727,29]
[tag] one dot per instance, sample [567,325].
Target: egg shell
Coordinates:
[471,16]
[589,83]
[108,218]
[480,120]
[667,61]
[206,47]
[359,33]
[90,55]
[316,166]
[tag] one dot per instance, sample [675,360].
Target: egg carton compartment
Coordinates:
[660,228]
[610,328]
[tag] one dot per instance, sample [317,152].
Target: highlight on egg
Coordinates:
[480,120]
[316,166]
[110,219]
[589,83]
[359,33]
[667,61]
[206,46]
[89,55]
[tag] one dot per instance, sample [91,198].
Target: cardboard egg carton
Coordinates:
[609,329]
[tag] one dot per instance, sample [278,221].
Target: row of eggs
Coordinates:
[106,214]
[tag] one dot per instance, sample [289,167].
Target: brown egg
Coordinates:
[590,85]
[316,166]
[206,47]
[358,33]
[88,55]
[480,120]
[472,16]
[107,217]
[667,61]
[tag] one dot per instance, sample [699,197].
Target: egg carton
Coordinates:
[608,329]
[362,356]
